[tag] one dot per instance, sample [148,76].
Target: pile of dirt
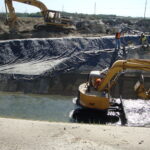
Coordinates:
[84,27]
[91,27]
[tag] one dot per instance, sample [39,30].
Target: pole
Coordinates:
[62,8]
[145,8]
[95,8]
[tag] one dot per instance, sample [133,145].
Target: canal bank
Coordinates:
[56,65]
[33,135]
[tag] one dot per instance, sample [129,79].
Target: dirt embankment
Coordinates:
[26,30]
[54,65]
[84,27]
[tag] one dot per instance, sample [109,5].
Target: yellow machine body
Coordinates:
[93,100]
[52,18]
[97,97]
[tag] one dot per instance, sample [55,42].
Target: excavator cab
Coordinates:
[89,95]
[54,21]
[51,16]
[95,78]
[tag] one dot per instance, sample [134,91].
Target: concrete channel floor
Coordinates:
[16,134]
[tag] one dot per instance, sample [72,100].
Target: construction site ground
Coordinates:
[37,66]
[33,135]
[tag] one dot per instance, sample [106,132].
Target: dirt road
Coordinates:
[36,135]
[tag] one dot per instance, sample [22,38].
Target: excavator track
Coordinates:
[114,115]
[54,28]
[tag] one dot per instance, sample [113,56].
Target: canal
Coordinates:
[36,107]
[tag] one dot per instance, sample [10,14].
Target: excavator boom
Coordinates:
[120,65]
[35,3]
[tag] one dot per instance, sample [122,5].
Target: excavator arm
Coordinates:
[35,3]
[121,65]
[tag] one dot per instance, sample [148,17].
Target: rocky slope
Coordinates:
[55,64]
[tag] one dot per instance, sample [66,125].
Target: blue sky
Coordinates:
[133,8]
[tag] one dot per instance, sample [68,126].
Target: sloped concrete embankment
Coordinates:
[53,66]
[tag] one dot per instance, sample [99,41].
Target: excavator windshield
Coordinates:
[51,16]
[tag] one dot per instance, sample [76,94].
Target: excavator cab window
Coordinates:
[52,16]
[96,77]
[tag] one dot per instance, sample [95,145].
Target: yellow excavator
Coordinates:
[95,93]
[52,19]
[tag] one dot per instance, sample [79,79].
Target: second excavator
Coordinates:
[95,93]
[52,19]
